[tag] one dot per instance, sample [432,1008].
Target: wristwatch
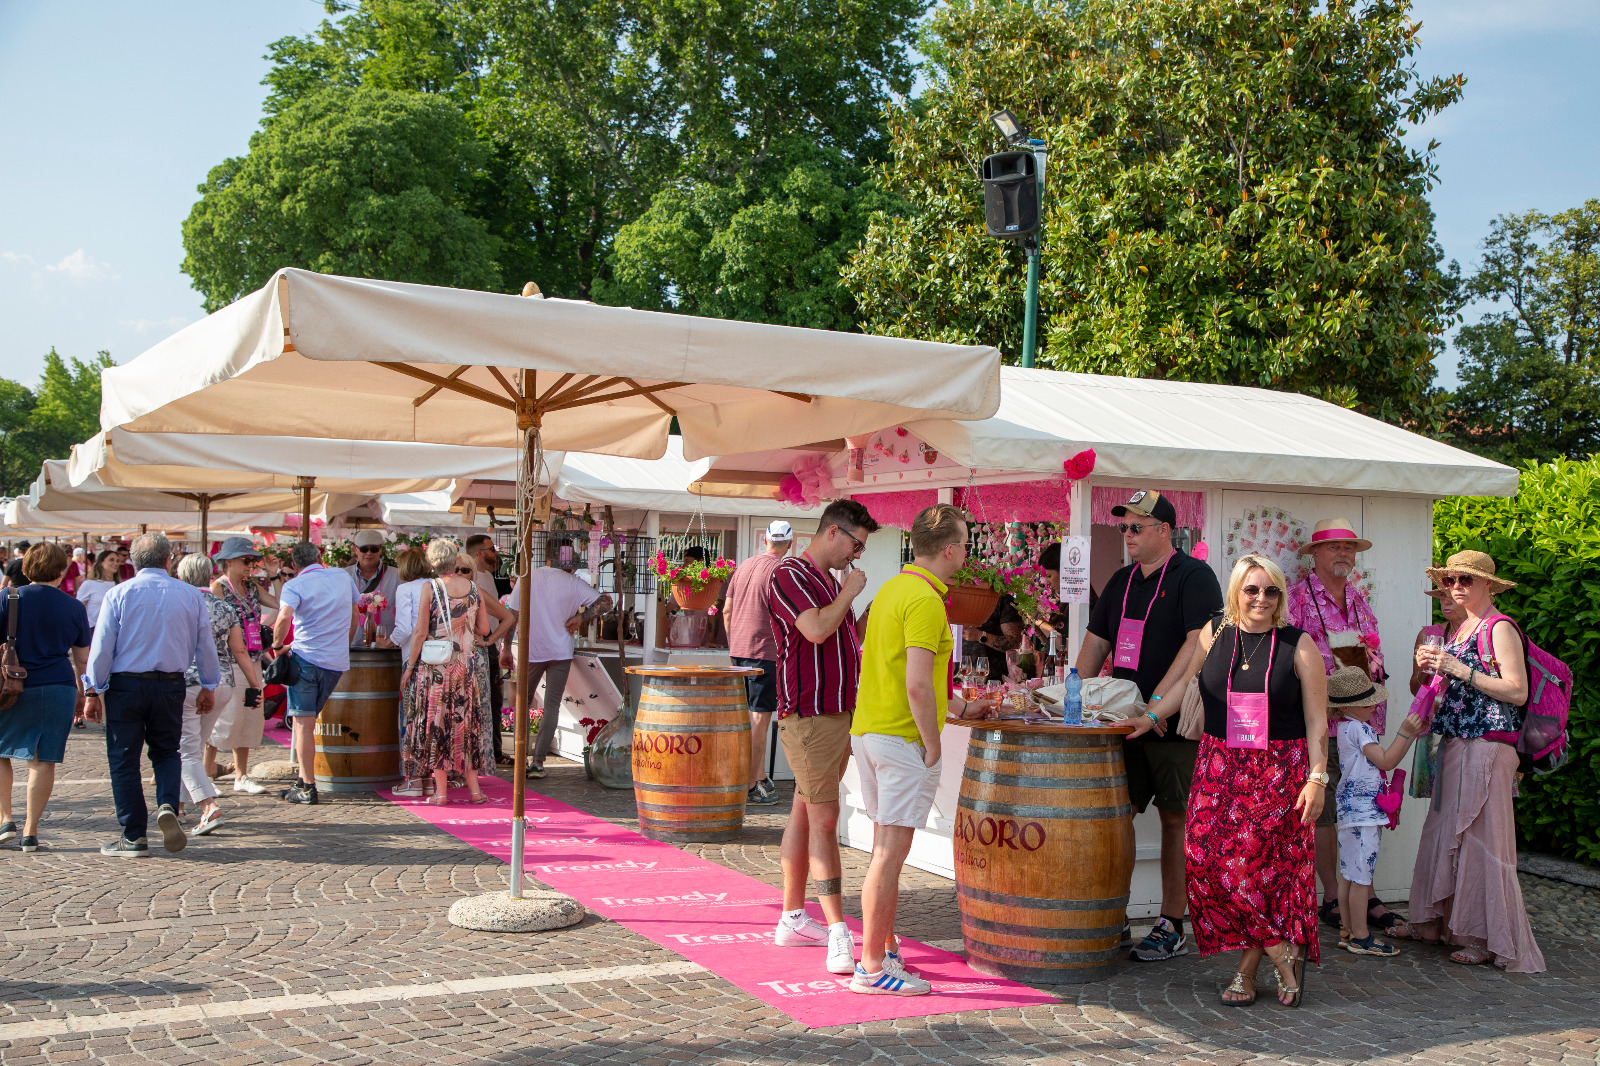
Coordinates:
[1320,778]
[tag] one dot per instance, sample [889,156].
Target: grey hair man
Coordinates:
[151,629]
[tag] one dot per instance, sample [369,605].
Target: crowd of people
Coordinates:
[1275,787]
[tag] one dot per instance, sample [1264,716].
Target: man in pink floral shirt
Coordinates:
[1341,623]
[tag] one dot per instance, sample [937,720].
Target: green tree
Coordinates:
[1530,375]
[44,423]
[591,108]
[19,454]
[364,182]
[1229,195]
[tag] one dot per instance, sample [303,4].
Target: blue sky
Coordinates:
[111,114]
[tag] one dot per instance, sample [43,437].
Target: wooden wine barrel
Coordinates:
[358,731]
[691,752]
[1043,851]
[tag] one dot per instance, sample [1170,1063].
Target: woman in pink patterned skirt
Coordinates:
[1258,786]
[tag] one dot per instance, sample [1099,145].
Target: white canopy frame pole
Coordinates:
[1078,525]
[652,529]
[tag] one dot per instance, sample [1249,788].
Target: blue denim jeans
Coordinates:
[143,712]
[307,695]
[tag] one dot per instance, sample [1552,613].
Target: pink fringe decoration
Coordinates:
[1021,501]
[897,509]
[1191,506]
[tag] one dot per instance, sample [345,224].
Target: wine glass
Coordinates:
[1433,640]
[980,667]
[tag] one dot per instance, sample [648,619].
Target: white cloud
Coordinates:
[16,257]
[81,266]
[157,325]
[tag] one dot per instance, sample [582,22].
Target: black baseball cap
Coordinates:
[1148,503]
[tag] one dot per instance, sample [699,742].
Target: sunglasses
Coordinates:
[1271,592]
[1130,527]
[364,551]
[1451,581]
[466,571]
[860,546]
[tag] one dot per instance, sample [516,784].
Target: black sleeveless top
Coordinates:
[1229,649]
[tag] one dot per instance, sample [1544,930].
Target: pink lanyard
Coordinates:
[1129,588]
[931,585]
[1248,715]
[1130,632]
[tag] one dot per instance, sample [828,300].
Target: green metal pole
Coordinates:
[1030,317]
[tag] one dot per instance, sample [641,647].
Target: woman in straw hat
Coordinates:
[1259,784]
[1464,890]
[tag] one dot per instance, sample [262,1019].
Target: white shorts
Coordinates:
[896,788]
[1358,852]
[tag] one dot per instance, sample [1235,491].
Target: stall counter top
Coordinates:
[1013,725]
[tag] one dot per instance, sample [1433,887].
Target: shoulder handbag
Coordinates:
[438,652]
[282,670]
[10,666]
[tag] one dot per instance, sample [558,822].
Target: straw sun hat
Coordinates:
[1351,686]
[1477,564]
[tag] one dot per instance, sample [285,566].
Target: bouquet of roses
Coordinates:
[1025,584]
[371,603]
[696,575]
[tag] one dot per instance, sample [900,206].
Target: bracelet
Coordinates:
[1155,699]
[1152,717]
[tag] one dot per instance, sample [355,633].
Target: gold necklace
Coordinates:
[1245,665]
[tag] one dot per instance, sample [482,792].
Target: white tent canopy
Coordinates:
[19,519]
[1174,431]
[226,463]
[654,485]
[315,355]
[53,491]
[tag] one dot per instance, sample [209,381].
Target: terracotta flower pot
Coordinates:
[971,605]
[691,600]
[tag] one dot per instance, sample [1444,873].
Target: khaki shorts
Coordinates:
[1160,770]
[818,749]
[1330,810]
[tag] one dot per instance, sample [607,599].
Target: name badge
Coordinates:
[1247,720]
[1130,638]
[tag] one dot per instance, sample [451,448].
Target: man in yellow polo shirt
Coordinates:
[900,709]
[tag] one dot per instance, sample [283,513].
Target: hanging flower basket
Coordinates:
[692,599]
[971,605]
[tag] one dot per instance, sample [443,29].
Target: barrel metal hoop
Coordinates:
[1042,958]
[1038,904]
[687,808]
[709,727]
[1024,781]
[354,749]
[1088,758]
[1042,932]
[364,696]
[698,789]
[1027,810]
[678,826]
[1086,742]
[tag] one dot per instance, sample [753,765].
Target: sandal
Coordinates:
[1295,956]
[1471,955]
[478,797]
[1238,988]
[437,801]
[1371,945]
[1411,932]
[1330,914]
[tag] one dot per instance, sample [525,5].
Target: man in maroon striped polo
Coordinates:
[819,664]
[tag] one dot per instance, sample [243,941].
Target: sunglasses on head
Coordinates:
[1451,581]
[1271,592]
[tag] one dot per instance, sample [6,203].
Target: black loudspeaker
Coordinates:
[1011,194]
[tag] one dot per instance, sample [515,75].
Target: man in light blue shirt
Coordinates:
[321,605]
[151,629]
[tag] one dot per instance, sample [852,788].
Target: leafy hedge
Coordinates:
[1547,539]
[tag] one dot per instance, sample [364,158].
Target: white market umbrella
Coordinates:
[18,518]
[315,355]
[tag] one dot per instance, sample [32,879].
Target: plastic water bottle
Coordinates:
[1074,711]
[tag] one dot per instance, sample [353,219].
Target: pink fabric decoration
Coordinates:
[1191,506]
[815,478]
[1020,501]
[789,490]
[1080,466]
[897,509]
[1200,551]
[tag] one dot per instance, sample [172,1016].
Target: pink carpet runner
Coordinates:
[707,913]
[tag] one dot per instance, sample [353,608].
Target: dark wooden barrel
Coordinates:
[358,731]
[1043,851]
[691,752]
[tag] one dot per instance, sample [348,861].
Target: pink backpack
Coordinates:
[1542,741]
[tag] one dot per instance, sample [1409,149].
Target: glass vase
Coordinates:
[609,759]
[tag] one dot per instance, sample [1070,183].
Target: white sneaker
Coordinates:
[248,786]
[841,951]
[892,961]
[804,932]
[887,982]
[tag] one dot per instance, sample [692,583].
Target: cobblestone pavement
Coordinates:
[309,935]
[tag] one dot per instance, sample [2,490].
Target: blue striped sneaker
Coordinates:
[888,982]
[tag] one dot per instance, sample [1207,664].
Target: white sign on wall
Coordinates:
[1074,569]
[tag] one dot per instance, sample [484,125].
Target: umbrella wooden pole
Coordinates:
[305,485]
[205,520]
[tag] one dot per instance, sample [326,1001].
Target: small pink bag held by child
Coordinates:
[1392,796]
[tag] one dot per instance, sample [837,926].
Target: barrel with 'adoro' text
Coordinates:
[1044,851]
[691,752]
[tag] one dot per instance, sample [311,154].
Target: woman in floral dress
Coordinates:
[447,732]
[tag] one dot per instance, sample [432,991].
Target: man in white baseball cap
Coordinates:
[751,643]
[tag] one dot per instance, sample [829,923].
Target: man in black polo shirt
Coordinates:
[1148,619]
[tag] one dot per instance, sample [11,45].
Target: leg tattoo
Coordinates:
[832,886]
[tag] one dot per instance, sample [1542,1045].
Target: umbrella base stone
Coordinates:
[274,771]
[497,912]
